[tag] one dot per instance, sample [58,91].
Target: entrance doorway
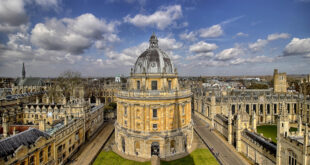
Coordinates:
[155,148]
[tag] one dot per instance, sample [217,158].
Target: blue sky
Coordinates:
[202,37]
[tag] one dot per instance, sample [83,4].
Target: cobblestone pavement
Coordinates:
[87,153]
[226,153]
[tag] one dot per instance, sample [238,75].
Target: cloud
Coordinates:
[256,59]
[258,45]
[297,47]
[73,35]
[261,43]
[211,32]
[241,34]
[202,47]
[277,36]
[230,53]
[191,36]
[160,19]
[200,56]
[168,43]
[12,15]
[48,4]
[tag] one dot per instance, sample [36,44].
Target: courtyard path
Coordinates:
[227,154]
[90,150]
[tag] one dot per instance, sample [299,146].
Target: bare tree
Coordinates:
[64,85]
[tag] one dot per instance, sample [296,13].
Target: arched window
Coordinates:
[292,158]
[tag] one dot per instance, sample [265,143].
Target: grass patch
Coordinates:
[199,156]
[111,158]
[270,131]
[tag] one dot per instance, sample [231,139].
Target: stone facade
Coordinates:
[279,84]
[153,114]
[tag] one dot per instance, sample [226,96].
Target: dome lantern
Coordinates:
[153,41]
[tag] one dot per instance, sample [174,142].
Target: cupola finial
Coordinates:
[153,41]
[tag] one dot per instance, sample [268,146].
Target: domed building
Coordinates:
[153,114]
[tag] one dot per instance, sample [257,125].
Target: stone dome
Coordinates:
[153,60]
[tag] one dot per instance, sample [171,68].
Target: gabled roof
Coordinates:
[29,137]
[30,81]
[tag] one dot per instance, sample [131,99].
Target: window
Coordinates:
[154,85]
[292,158]
[268,109]
[41,156]
[49,151]
[261,109]
[288,108]
[169,84]
[138,85]
[154,113]
[183,110]
[233,109]
[275,108]
[31,160]
[254,108]
[59,149]
[22,163]
[125,123]
[77,136]
[155,126]
[247,108]
[125,111]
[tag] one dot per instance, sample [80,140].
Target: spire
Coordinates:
[24,72]
[153,41]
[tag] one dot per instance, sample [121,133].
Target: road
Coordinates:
[227,155]
[87,153]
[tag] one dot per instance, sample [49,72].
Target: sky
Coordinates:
[202,37]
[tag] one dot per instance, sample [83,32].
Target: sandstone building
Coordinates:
[279,81]
[154,113]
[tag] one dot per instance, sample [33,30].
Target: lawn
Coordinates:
[199,156]
[111,158]
[270,131]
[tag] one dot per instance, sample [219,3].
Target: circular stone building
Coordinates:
[153,114]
